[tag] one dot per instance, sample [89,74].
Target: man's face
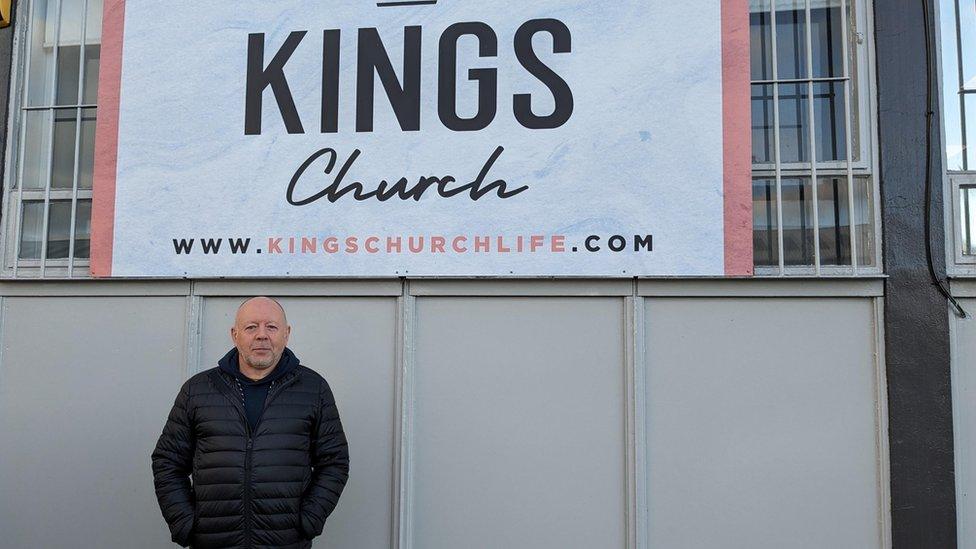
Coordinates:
[260,333]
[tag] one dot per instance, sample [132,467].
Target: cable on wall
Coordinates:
[929,113]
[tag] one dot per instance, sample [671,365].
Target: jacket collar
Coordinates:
[287,366]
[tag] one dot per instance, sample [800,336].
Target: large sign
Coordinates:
[241,138]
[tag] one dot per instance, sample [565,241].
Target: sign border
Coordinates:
[737,161]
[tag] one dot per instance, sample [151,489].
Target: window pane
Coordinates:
[791,39]
[83,229]
[864,221]
[827,38]
[760,40]
[68,75]
[92,59]
[37,141]
[765,235]
[762,123]
[797,221]
[31,229]
[58,229]
[793,119]
[828,110]
[86,150]
[834,215]
[967,31]
[950,86]
[967,203]
[41,55]
[45,34]
[63,160]
[970,151]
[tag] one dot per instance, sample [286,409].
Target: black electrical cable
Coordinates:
[929,113]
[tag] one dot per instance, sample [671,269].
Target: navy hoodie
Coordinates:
[253,392]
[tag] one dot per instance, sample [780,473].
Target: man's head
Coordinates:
[260,332]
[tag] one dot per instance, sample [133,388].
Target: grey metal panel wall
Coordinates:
[519,430]
[352,343]
[762,424]
[85,386]
[964,421]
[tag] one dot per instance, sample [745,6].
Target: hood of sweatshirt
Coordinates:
[286,363]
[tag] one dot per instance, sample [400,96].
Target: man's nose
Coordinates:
[262,333]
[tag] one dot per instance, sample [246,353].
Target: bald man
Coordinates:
[253,453]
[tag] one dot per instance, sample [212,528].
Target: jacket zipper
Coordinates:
[249,447]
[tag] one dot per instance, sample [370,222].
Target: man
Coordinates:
[261,437]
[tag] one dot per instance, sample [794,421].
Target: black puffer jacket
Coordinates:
[274,487]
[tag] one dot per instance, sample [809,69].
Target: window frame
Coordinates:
[13,197]
[863,91]
[957,180]
[958,265]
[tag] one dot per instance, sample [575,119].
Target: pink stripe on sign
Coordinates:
[107,139]
[737,148]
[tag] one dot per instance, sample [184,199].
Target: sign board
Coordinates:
[423,138]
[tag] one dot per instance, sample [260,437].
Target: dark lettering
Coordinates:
[487,79]
[562,42]
[330,81]
[260,77]
[372,60]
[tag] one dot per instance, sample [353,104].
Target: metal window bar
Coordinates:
[50,149]
[776,142]
[962,85]
[17,229]
[846,50]
[78,120]
[58,107]
[813,142]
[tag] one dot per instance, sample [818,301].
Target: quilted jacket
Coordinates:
[273,487]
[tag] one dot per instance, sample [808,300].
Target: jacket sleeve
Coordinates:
[330,466]
[172,462]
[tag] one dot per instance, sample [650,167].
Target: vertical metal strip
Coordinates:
[636,423]
[881,416]
[194,332]
[77,161]
[17,229]
[50,148]
[814,183]
[776,145]
[962,85]
[402,530]
[3,317]
[847,51]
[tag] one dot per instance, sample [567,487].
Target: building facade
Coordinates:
[827,400]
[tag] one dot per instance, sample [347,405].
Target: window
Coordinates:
[813,192]
[48,200]
[958,55]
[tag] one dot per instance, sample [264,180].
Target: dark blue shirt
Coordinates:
[255,392]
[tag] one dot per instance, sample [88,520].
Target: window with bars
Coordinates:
[48,200]
[958,55]
[813,190]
